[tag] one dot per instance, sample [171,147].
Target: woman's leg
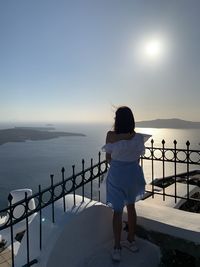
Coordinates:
[117,228]
[132,219]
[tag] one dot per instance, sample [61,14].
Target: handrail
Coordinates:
[24,203]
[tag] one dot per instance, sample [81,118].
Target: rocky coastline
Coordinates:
[22,134]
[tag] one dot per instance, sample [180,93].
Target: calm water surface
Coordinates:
[30,163]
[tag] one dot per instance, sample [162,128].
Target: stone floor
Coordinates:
[5,258]
[102,257]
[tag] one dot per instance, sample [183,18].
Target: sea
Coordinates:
[30,163]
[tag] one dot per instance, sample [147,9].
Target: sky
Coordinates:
[77,60]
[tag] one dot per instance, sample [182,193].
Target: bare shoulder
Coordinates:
[111,137]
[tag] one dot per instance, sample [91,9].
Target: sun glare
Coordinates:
[151,50]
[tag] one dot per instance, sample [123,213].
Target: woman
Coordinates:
[125,180]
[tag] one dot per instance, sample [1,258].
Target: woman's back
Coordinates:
[129,149]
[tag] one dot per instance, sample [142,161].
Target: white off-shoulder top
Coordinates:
[127,150]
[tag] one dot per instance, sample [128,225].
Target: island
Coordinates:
[169,123]
[22,134]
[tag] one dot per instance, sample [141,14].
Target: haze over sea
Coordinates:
[28,164]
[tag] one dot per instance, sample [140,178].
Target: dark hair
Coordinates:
[124,120]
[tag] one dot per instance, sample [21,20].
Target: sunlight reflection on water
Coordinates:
[30,163]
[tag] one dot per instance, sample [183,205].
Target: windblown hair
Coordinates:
[124,120]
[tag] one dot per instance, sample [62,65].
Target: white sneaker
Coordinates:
[116,254]
[130,245]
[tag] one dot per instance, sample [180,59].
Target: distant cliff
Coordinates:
[169,123]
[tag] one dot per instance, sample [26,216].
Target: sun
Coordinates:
[153,48]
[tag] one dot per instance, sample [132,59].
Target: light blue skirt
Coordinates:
[125,184]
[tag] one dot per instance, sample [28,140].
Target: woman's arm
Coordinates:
[108,140]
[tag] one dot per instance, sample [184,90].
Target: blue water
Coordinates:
[30,163]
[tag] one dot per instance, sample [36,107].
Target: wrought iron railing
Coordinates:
[49,196]
[90,178]
[174,156]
